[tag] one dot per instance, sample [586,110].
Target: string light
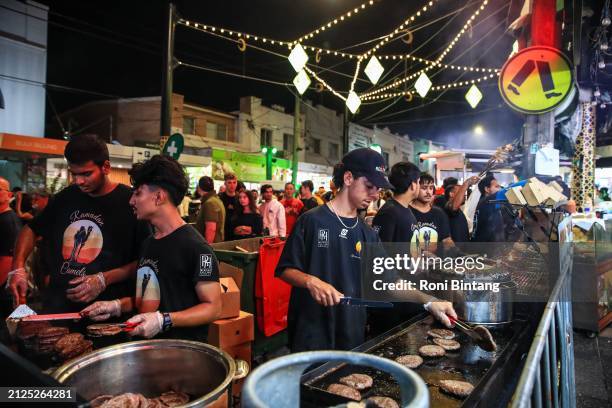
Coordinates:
[437,62]
[325,84]
[335,21]
[458,84]
[463,30]
[398,30]
[339,54]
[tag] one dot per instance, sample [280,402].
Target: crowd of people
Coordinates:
[111,251]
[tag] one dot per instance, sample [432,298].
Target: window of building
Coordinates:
[288,142]
[316,145]
[188,125]
[333,151]
[216,131]
[266,137]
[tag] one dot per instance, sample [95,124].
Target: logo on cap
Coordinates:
[380,168]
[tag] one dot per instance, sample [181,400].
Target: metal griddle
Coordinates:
[487,371]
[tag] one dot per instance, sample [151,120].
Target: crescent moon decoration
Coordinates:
[242,44]
[408,37]
[408,97]
[318,56]
[319,87]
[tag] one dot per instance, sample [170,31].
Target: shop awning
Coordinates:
[31,144]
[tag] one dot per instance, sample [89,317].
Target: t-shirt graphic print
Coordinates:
[82,243]
[147,286]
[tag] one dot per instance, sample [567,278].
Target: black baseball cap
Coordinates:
[368,163]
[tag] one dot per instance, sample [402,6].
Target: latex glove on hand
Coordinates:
[87,288]
[149,324]
[17,285]
[103,310]
[440,309]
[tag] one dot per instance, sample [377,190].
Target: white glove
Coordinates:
[88,288]
[17,285]
[149,324]
[440,309]
[103,310]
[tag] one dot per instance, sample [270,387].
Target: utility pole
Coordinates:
[167,74]
[296,139]
[345,137]
[539,129]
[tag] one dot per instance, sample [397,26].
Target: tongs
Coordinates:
[125,327]
[480,334]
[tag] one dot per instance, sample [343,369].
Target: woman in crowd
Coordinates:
[247,222]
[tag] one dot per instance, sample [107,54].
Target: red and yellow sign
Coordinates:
[536,80]
[32,144]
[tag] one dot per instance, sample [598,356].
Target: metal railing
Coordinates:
[547,380]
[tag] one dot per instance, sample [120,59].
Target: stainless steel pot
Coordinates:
[151,367]
[487,307]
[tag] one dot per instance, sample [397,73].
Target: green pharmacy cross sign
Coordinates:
[174,146]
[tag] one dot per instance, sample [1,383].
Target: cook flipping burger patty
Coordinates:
[321,259]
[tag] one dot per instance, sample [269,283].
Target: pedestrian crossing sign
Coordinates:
[536,80]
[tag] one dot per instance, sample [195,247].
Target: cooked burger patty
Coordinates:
[84,347]
[456,388]
[447,345]
[344,391]
[410,360]
[28,330]
[69,340]
[431,351]
[441,334]
[103,329]
[174,398]
[357,381]
[381,402]
[52,332]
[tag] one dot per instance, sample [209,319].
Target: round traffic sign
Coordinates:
[536,80]
[174,146]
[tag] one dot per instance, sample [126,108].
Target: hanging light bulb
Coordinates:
[602,106]
[601,64]
[603,46]
[606,21]
[597,93]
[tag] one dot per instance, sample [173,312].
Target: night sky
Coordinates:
[115,49]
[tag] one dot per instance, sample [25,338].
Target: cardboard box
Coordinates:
[228,271]
[554,197]
[225,333]
[230,298]
[556,186]
[515,196]
[535,192]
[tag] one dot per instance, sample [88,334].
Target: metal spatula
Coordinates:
[480,334]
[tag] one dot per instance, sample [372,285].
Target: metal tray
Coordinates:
[470,363]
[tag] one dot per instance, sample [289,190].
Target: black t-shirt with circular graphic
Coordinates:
[87,235]
[431,228]
[168,270]
[321,246]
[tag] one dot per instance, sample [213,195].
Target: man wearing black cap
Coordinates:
[321,259]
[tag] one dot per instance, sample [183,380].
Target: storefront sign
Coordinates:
[32,144]
[536,80]
[359,136]
[248,166]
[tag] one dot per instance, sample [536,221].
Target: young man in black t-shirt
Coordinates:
[395,221]
[455,197]
[177,287]
[322,259]
[306,196]
[431,229]
[229,197]
[91,231]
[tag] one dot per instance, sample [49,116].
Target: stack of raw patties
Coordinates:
[72,345]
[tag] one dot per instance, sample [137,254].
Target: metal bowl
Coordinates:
[151,367]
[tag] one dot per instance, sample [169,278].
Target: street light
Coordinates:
[478,130]
[269,151]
